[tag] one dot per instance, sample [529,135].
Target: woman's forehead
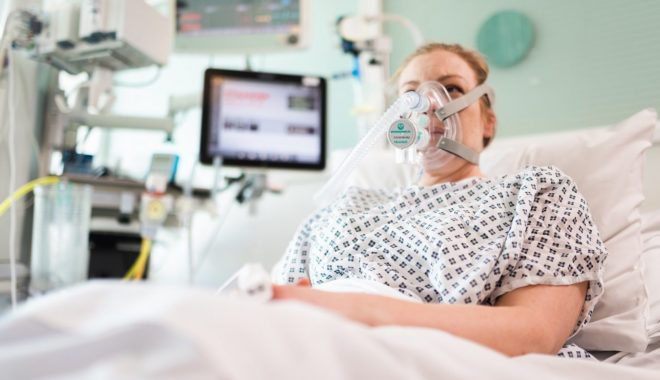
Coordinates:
[437,64]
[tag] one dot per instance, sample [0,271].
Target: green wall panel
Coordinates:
[593,62]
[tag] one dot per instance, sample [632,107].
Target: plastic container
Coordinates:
[60,236]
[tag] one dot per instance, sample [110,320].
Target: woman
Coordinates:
[513,263]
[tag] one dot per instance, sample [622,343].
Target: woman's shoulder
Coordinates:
[540,174]
[543,183]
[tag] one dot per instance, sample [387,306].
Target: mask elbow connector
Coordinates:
[410,101]
[418,103]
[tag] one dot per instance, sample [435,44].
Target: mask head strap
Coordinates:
[457,105]
[458,149]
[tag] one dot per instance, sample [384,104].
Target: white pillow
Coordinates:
[607,165]
[651,265]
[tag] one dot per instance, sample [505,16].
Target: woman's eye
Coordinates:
[451,89]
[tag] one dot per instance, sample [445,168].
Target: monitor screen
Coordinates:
[254,119]
[240,25]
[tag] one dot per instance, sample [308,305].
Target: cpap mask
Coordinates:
[424,127]
[430,133]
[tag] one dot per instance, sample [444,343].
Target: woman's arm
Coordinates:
[533,319]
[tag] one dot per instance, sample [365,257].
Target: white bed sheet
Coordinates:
[649,359]
[117,330]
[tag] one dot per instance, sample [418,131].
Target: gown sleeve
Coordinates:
[294,264]
[553,240]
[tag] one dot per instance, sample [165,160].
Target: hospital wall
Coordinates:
[593,62]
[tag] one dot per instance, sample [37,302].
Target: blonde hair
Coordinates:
[473,58]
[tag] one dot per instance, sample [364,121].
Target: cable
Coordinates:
[22,191]
[222,219]
[11,141]
[137,269]
[144,255]
[416,33]
[25,189]
[188,217]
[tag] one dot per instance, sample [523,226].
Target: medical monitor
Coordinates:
[241,26]
[263,120]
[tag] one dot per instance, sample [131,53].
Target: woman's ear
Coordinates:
[490,123]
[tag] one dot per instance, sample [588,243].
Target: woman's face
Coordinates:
[458,78]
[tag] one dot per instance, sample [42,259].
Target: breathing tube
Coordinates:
[404,103]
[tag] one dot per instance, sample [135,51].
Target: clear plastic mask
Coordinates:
[430,134]
[422,125]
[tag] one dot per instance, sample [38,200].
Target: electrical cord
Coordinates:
[415,32]
[6,204]
[222,218]
[11,141]
[24,190]
[136,272]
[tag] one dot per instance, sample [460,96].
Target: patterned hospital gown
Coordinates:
[466,242]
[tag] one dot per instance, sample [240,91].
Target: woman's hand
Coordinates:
[344,304]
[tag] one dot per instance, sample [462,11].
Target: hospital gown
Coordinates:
[465,242]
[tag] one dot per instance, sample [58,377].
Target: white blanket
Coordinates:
[112,330]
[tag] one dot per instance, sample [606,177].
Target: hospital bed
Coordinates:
[122,330]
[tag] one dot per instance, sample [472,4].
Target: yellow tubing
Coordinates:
[23,190]
[137,269]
